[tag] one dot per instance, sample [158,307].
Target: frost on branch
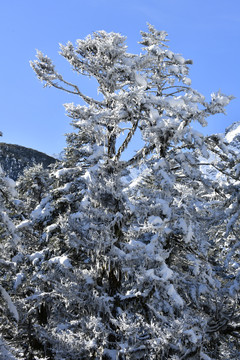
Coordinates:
[121,253]
[12,308]
[219,102]
[44,69]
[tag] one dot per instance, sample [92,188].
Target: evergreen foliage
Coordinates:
[137,258]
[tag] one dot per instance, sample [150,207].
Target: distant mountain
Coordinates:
[232,136]
[15,158]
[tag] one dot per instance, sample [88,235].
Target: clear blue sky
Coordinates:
[206,31]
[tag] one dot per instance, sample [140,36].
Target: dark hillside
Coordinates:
[15,158]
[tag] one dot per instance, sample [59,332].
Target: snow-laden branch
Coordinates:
[45,71]
[126,141]
[12,308]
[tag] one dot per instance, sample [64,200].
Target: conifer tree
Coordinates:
[9,245]
[124,269]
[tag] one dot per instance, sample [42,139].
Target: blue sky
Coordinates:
[206,31]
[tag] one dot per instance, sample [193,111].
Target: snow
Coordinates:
[169,54]
[86,274]
[61,260]
[166,178]
[18,280]
[176,103]
[87,176]
[163,198]
[154,114]
[233,133]
[219,101]
[12,308]
[98,152]
[165,272]
[85,202]
[43,210]
[36,257]
[11,186]
[141,80]
[179,59]
[17,258]
[150,274]
[155,49]
[155,221]
[23,224]
[51,228]
[164,207]
[115,251]
[189,234]
[174,69]
[62,327]
[5,353]
[134,244]
[187,81]
[150,248]
[204,356]
[237,169]
[194,338]
[182,225]
[10,226]
[62,172]
[175,296]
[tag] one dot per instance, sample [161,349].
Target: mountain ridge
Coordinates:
[232,135]
[15,158]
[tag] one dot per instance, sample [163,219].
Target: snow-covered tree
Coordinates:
[33,185]
[120,266]
[223,230]
[8,206]
[9,243]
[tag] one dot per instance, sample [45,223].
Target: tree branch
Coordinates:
[76,91]
[140,154]
[127,140]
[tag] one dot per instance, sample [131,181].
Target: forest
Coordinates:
[115,258]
